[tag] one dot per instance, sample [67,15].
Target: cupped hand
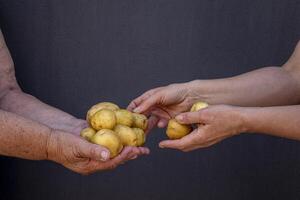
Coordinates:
[164,103]
[83,157]
[217,123]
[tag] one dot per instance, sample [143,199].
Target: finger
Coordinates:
[147,103]
[136,102]
[144,150]
[162,123]
[138,151]
[191,140]
[134,157]
[119,159]
[191,117]
[152,121]
[161,113]
[93,151]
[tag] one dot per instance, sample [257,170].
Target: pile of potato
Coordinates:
[114,128]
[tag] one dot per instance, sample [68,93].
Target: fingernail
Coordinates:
[137,110]
[179,118]
[134,157]
[160,124]
[104,155]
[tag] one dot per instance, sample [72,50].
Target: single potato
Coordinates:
[100,106]
[141,137]
[140,121]
[176,130]
[126,135]
[103,119]
[124,117]
[198,106]
[108,138]
[87,133]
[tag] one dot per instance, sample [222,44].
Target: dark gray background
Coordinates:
[73,53]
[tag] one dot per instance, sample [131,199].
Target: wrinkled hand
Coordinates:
[164,103]
[83,157]
[219,122]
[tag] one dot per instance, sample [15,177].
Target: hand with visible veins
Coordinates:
[85,158]
[268,87]
[164,103]
[31,129]
[223,121]
[217,123]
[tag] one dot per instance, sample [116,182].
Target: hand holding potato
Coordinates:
[165,103]
[83,157]
[219,122]
[114,128]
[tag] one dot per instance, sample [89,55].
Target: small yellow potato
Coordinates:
[176,130]
[100,106]
[124,117]
[103,119]
[87,133]
[198,106]
[140,121]
[126,135]
[141,136]
[108,139]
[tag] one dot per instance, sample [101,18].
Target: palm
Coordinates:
[83,157]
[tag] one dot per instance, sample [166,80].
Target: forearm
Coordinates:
[30,107]
[12,99]
[23,138]
[269,86]
[281,121]
[264,87]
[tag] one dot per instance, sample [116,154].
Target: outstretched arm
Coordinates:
[27,139]
[14,100]
[28,129]
[269,86]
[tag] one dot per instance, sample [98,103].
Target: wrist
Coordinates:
[52,146]
[198,91]
[248,117]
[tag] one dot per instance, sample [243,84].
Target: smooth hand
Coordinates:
[83,157]
[217,123]
[164,103]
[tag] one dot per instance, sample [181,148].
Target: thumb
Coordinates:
[94,151]
[191,118]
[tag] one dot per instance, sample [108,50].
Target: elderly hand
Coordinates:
[83,157]
[219,122]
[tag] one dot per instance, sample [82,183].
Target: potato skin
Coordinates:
[124,117]
[198,106]
[176,130]
[126,135]
[140,121]
[103,119]
[108,139]
[141,136]
[100,106]
[87,133]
